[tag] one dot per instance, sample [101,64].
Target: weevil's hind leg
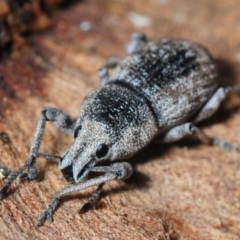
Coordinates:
[137,39]
[112,62]
[214,103]
[188,129]
[121,170]
[61,120]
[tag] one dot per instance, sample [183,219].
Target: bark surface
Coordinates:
[184,190]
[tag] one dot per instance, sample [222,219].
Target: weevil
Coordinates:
[159,92]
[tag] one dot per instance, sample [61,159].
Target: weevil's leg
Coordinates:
[136,39]
[189,129]
[120,170]
[4,172]
[61,120]
[94,198]
[214,103]
[112,62]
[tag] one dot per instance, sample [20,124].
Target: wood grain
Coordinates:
[179,191]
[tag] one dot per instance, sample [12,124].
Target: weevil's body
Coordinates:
[160,90]
[156,88]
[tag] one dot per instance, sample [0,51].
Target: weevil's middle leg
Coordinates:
[121,170]
[214,103]
[61,120]
[207,111]
[112,62]
[188,129]
[136,39]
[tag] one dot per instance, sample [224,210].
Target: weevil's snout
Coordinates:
[74,162]
[91,145]
[92,155]
[68,174]
[66,169]
[75,172]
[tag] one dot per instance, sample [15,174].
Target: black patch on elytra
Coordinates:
[171,62]
[116,107]
[153,68]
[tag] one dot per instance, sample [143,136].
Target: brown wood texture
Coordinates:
[179,191]
[19,17]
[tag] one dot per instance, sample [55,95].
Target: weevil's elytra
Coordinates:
[177,76]
[159,91]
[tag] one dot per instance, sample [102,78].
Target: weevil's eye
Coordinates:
[102,150]
[77,131]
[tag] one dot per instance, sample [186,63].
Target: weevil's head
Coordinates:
[113,124]
[91,145]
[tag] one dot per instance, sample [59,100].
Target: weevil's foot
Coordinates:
[45,216]
[95,196]
[4,172]
[48,213]
[85,208]
[3,192]
[23,176]
[32,174]
[225,145]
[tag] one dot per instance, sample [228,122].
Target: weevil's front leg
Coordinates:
[112,62]
[189,129]
[61,120]
[136,39]
[214,103]
[120,170]
[94,198]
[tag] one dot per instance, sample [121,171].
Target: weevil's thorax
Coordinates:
[124,117]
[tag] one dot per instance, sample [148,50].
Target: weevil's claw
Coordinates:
[42,219]
[49,217]
[45,216]
[48,213]
[225,145]
[3,192]
[32,174]
[23,176]
[85,208]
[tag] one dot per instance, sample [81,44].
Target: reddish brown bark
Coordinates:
[179,191]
